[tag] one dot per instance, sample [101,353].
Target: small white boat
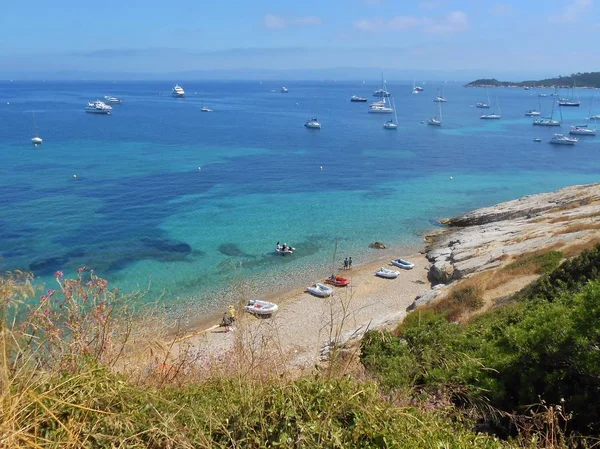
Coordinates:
[313,123]
[380,107]
[36,140]
[356,99]
[560,139]
[178,91]
[390,125]
[320,290]
[205,109]
[483,105]
[98,107]
[284,249]
[284,90]
[537,139]
[258,307]
[532,113]
[387,273]
[582,131]
[115,100]
[405,264]
[440,99]
[594,117]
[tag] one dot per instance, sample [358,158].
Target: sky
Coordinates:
[544,38]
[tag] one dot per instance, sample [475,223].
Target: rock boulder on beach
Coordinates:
[377,245]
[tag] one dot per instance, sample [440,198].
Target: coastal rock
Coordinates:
[441,272]
[377,245]
[423,300]
[528,206]
[489,237]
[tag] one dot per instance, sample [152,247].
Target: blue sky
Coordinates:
[549,36]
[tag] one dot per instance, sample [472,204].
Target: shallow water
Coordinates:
[190,203]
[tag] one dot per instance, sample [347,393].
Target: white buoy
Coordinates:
[199,168]
[321,167]
[451,178]
[74,176]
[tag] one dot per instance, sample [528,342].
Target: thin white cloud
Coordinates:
[573,12]
[277,22]
[453,22]
[431,4]
[502,9]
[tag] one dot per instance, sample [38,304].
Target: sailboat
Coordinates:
[569,101]
[36,140]
[484,104]
[381,106]
[493,115]
[585,130]
[391,124]
[439,98]
[548,121]
[313,123]
[416,89]
[435,120]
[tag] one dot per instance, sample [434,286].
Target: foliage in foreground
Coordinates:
[543,347]
[96,409]
[58,390]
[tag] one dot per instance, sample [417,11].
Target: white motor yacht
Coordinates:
[115,100]
[382,93]
[356,99]
[490,116]
[98,107]
[284,90]
[582,131]
[532,113]
[205,109]
[560,139]
[483,105]
[313,123]
[178,91]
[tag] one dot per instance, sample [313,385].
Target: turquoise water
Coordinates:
[189,203]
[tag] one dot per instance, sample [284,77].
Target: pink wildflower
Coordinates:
[58,274]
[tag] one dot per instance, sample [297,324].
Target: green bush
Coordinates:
[545,346]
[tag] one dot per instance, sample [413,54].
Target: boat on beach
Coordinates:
[387,273]
[320,290]
[259,307]
[338,281]
[402,263]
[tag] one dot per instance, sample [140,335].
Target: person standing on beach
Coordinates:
[346,263]
[349,262]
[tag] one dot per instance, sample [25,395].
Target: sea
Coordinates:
[187,206]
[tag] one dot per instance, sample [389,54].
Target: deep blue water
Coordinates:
[190,202]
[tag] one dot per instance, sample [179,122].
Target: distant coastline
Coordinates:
[588,80]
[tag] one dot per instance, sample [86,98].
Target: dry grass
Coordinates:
[466,297]
[577,227]
[576,249]
[573,217]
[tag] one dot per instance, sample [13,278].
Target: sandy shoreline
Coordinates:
[304,323]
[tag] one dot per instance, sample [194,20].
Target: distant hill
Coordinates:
[588,79]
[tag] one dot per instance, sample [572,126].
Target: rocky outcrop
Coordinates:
[485,238]
[529,206]
[377,245]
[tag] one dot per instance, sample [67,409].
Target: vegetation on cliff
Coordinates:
[587,79]
[541,347]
